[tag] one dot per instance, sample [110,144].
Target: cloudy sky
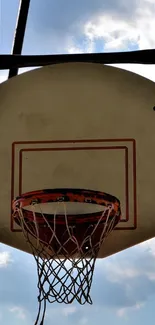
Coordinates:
[123,290]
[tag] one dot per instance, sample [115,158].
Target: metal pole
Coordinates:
[19,32]
[9,61]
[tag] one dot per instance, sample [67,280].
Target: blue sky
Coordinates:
[123,290]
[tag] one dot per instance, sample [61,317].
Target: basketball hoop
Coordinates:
[65,229]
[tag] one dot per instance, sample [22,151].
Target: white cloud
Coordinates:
[123,312]
[3,78]
[75,49]
[149,245]
[83,321]
[121,32]
[123,267]
[19,311]
[115,33]
[69,310]
[147,71]
[5,259]
[151,275]
[130,277]
[86,47]
[120,272]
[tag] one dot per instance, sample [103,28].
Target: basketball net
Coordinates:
[64,275]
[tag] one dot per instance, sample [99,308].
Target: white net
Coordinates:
[65,254]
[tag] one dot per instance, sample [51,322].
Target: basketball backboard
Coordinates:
[80,125]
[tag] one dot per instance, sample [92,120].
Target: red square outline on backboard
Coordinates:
[93,147]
